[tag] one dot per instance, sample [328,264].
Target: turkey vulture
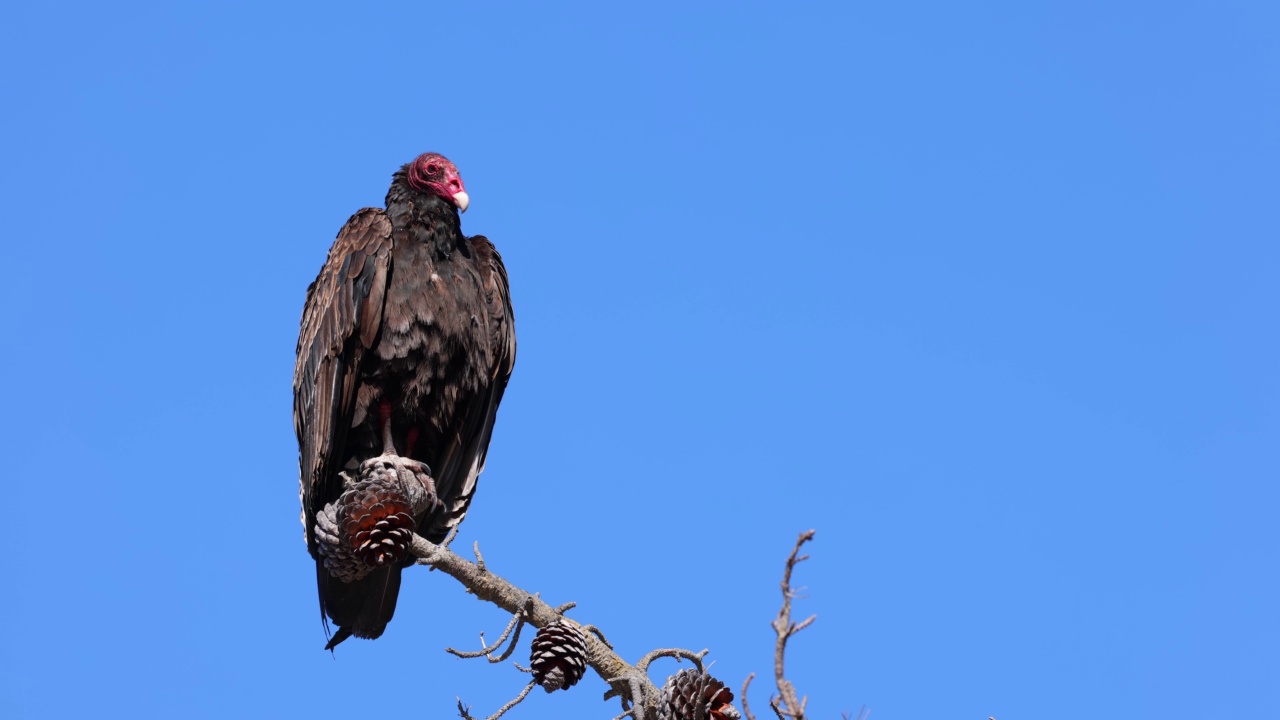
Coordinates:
[406,346]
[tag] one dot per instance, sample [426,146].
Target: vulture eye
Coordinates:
[432,169]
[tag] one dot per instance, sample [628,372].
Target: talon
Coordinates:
[413,477]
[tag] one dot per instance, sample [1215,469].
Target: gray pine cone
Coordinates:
[369,526]
[689,688]
[559,656]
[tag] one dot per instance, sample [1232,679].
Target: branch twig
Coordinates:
[746,711]
[677,653]
[864,713]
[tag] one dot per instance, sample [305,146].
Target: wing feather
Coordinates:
[464,459]
[340,322]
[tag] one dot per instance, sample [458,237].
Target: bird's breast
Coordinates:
[431,351]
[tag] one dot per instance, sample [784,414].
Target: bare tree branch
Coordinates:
[790,704]
[639,694]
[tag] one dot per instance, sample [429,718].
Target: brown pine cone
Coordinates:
[558,656]
[685,690]
[369,526]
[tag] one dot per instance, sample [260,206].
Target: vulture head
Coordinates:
[433,173]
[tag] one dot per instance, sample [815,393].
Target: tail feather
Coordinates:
[361,608]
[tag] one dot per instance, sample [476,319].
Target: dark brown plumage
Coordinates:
[411,322]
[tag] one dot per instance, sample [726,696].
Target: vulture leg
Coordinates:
[384,412]
[413,476]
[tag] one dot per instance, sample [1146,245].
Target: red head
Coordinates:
[433,173]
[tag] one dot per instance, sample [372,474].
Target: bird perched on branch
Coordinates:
[406,346]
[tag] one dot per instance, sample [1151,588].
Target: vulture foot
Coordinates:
[412,477]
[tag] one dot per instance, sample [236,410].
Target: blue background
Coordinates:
[986,293]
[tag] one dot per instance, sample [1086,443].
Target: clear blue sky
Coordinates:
[986,293]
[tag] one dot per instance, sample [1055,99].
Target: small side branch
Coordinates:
[596,631]
[465,711]
[486,651]
[677,653]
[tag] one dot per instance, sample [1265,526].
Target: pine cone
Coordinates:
[688,688]
[370,526]
[559,656]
